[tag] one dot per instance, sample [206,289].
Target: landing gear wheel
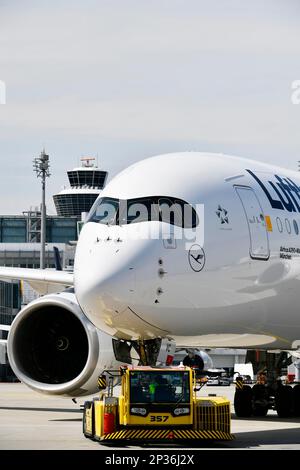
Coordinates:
[260,410]
[243,402]
[260,400]
[284,401]
[296,393]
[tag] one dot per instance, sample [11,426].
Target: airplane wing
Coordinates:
[42,280]
[4,328]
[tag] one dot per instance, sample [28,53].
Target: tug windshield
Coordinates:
[159,387]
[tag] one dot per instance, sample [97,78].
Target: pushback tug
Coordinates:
[155,405]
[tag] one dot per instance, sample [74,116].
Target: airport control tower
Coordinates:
[86,184]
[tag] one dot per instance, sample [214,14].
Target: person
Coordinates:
[194,360]
[163,391]
[156,380]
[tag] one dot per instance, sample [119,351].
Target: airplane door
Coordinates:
[259,243]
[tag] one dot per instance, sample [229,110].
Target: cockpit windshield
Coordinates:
[104,211]
[111,211]
[159,387]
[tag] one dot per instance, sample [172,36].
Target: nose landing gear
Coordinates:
[151,352]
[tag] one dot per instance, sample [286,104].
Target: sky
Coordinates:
[122,80]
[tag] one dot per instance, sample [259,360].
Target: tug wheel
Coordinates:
[284,401]
[260,400]
[243,402]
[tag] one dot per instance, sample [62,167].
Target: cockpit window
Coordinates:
[138,210]
[173,211]
[105,212]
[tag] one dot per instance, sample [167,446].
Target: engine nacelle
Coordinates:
[54,349]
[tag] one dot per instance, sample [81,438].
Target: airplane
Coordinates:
[192,249]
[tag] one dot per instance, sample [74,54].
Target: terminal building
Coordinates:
[26,228]
[10,305]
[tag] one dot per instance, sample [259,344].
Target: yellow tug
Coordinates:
[155,405]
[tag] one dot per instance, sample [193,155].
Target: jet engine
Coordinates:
[54,349]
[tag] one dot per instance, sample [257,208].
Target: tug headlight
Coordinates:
[181,411]
[138,411]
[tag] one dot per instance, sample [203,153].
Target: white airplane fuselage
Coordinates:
[237,284]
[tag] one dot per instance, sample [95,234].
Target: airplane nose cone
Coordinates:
[104,283]
[105,272]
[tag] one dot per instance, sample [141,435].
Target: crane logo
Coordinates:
[196,257]
[222,215]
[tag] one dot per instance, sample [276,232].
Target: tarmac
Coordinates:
[32,421]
